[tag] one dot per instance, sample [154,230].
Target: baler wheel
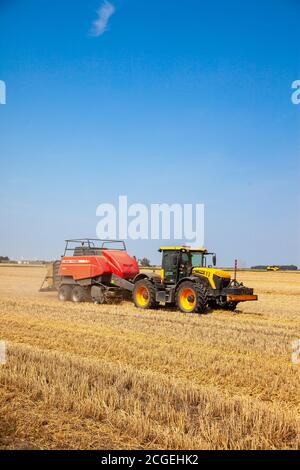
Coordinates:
[79,294]
[64,293]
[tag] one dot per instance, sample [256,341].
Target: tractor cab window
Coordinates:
[170,265]
[170,260]
[185,265]
[197,260]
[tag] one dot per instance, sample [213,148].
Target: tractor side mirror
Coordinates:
[214,259]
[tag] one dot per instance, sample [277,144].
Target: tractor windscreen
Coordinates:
[197,259]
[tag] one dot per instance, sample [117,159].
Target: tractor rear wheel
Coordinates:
[64,293]
[79,294]
[191,297]
[144,294]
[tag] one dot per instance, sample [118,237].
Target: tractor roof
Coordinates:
[182,248]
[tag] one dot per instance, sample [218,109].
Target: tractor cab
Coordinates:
[180,261]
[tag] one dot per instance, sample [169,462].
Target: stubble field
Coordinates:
[113,377]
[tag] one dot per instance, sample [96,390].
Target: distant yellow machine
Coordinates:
[272,268]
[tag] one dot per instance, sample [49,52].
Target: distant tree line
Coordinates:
[284,267]
[144,262]
[6,259]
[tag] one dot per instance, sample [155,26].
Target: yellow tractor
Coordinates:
[272,268]
[189,282]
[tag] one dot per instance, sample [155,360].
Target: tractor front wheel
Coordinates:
[144,294]
[192,298]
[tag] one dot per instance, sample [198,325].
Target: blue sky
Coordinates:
[175,102]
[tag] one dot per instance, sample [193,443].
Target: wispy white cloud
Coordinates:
[104,13]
